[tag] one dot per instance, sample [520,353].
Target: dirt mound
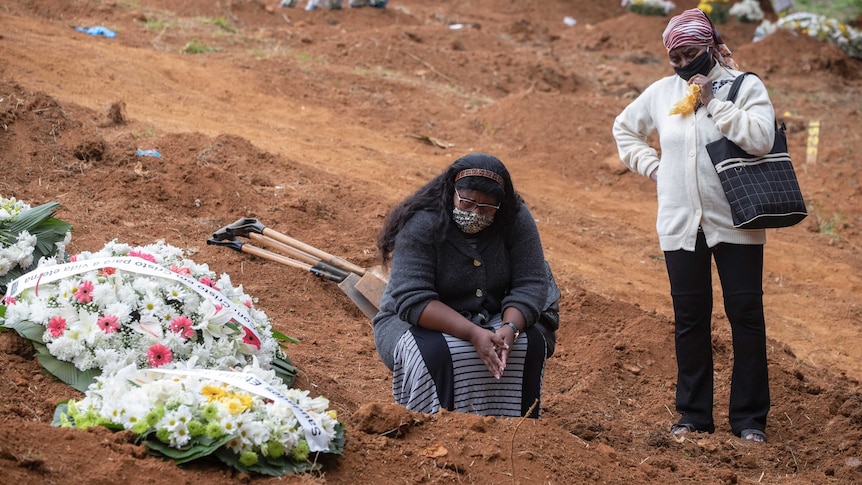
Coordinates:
[318,122]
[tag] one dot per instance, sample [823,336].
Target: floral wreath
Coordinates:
[147,306]
[250,420]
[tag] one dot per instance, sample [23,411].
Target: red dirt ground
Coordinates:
[318,122]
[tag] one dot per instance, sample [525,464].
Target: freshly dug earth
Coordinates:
[318,122]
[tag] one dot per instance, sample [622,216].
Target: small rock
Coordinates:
[606,450]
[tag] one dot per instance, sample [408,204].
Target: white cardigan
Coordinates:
[689,191]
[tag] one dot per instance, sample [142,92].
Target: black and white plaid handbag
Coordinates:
[762,191]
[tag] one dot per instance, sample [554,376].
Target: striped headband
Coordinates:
[480,172]
[693,27]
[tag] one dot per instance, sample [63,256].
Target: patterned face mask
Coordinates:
[470,222]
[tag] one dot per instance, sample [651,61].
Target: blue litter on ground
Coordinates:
[149,153]
[97,30]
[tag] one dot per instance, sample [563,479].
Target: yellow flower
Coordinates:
[213,393]
[246,400]
[237,403]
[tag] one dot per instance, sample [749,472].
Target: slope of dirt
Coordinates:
[318,122]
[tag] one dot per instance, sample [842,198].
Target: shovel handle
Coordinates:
[297,254]
[269,255]
[324,256]
[249,225]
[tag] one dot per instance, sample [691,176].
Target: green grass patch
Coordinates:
[221,23]
[154,24]
[148,133]
[196,47]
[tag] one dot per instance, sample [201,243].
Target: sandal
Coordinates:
[753,435]
[679,430]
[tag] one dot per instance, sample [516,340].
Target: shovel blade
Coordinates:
[348,286]
[372,284]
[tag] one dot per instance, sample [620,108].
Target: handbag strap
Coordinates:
[734,88]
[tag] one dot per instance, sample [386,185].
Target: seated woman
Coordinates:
[468,284]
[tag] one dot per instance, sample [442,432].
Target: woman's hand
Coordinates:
[490,347]
[508,335]
[705,84]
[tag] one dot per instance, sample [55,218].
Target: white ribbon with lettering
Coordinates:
[49,274]
[314,434]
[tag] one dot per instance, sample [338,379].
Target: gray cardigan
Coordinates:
[479,282]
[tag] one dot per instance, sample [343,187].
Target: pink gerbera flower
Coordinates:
[180,270]
[247,303]
[250,338]
[142,255]
[183,326]
[57,325]
[84,292]
[108,323]
[206,280]
[9,300]
[159,355]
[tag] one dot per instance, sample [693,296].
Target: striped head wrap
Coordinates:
[693,27]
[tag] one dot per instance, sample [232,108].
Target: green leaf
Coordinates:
[30,331]
[284,338]
[201,447]
[31,218]
[336,446]
[49,233]
[66,371]
[284,370]
[62,408]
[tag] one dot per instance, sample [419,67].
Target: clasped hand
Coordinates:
[493,348]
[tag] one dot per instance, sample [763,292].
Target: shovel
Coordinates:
[263,253]
[346,281]
[224,234]
[370,282]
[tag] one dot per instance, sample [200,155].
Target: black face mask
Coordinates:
[700,65]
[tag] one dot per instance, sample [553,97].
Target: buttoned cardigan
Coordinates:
[690,196]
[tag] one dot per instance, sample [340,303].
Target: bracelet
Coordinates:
[514,329]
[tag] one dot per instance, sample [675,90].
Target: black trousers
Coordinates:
[740,270]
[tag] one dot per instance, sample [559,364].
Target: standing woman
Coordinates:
[461,322]
[694,222]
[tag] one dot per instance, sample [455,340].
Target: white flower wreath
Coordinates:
[249,420]
[145,306]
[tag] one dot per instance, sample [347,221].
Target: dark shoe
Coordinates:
[679,431]
[753,435]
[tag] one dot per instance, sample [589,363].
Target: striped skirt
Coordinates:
[434,371]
